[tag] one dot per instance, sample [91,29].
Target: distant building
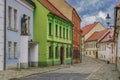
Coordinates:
[53,31]
[73,16]
[91,48]
[21,50]
[87,31]
[106,47]
[2,14]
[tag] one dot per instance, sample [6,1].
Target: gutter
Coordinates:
[4,34]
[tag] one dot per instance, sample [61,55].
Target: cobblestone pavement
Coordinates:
[74,72]
[105,72]
[18,73]
[89,69]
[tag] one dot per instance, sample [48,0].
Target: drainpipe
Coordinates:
[4,34]
[116,41]
[80,47]
[116,53]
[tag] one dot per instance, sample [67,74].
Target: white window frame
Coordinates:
[15,19]
[9,17]
[9,49]
[15,50]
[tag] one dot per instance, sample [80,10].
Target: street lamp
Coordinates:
[108,18]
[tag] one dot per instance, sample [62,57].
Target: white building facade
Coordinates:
[106,52]
[19,34]
[2,35]
[106,47]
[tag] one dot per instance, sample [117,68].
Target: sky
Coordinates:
[94,10]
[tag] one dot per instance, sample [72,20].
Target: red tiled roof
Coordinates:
[108,37]
[53,9]
[118,5]
[96,35]
[87,28]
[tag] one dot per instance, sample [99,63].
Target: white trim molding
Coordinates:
[24,3]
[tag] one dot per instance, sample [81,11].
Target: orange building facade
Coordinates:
[76,39]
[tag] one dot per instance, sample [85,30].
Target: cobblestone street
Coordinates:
[89,69]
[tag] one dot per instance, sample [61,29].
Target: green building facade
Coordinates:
[54,35]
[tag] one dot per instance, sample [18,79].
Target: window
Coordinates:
[104,56]
[50,29]
[67,33]
[15,49]
[9,16]
[71,36]
[112,48]
[9,49]
[60,31]
[70,52]
[89,52]
[50,52]
[56,52]
[15,19]
[56,30]
[67,54]
[29,25]
[64,33]
[103,47]
[94,52]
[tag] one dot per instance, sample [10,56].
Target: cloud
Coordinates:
[88,19]
[94,10]
[83,5]
[101,14]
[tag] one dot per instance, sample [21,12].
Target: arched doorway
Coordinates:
[62,55]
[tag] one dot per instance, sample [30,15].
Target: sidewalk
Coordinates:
[105,72]
[9,74]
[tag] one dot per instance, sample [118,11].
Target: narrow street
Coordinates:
[90,69]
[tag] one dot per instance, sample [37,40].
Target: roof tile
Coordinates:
[118,5]
[108,37]
[96,35]
[53,9]
[87,28]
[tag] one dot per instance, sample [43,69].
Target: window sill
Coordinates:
[29,34]
[9,58]
[15,58]
[12,58]
[60,37]
[50,35]
[12,29]
[50,59]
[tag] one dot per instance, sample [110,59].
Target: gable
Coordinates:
[97,27]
